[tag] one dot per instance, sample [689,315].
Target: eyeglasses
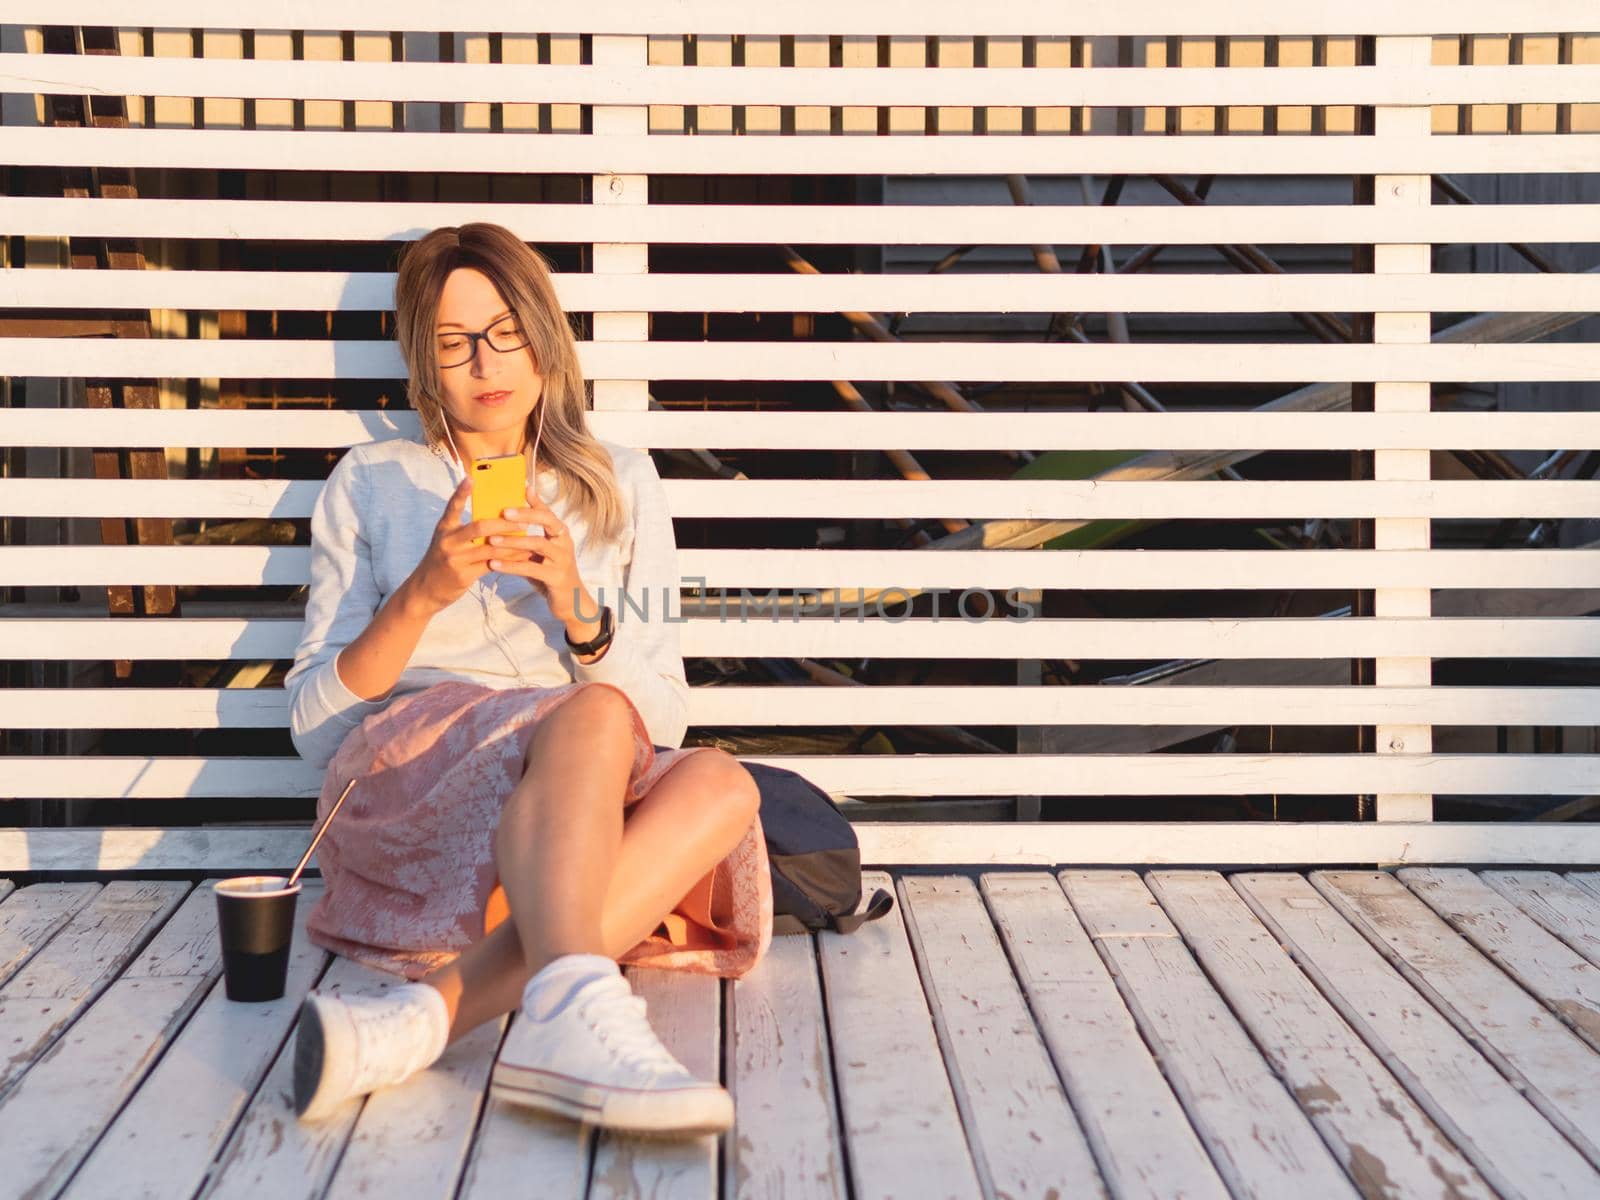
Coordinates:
[503,335]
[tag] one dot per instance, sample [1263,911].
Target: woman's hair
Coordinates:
[583,468]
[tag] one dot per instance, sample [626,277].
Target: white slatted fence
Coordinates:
[1375,93]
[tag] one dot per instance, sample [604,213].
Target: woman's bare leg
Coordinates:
[665,850]
[565,881]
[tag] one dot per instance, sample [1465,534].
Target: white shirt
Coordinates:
[371,526]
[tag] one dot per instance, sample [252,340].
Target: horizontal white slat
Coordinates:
[898,843]
[975,499]
[1153,639]
[1005,706]
[245,427]
[1154,500]
[902,17]
[216,498]
[267,708]
[921,637]
[832,430]
[1026,499]
[1228,843]
[293,358]
[810,224]
[1024,87]
[811,154]
[144,708]
[199,638]
[906,775]
[216,566]
[345,291]
[1143,570]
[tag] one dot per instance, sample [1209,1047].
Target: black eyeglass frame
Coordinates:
[472,342]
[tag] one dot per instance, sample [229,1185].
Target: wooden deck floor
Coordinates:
[1426,1032]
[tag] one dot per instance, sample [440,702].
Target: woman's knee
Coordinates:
[597,712]
[727,784]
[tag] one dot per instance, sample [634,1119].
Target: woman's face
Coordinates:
[484,425]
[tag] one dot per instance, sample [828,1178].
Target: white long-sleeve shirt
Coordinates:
[370,528]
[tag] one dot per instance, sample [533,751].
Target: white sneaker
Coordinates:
[597,1060]
[351,1045]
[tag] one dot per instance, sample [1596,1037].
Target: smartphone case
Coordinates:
[498,484]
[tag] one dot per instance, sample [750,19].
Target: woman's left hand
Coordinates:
[550,561]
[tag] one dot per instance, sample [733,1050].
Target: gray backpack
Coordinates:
[816,860]
[814,855]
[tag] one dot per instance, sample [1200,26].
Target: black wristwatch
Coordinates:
[600,640]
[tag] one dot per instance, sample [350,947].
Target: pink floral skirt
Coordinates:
[408,864]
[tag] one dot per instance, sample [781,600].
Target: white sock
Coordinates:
[552,985]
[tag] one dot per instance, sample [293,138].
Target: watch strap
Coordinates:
[600,640]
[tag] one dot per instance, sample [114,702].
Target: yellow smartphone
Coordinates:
[498,483]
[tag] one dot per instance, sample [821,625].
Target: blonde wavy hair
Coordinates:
[584,471]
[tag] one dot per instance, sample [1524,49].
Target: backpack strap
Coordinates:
[877,907]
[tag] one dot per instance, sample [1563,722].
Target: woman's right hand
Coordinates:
[452,562]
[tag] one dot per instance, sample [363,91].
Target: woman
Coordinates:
[522,817]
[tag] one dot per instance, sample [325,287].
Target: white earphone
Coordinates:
[533,470]
[533,460]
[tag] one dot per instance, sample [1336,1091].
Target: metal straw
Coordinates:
[310,850]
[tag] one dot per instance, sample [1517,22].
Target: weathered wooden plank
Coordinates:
[686,1012]
[77,965]
[1024,1138]
[1512,1145]
[785,1140]
[1261,1141]
[163,1141]
[1387,1144]
[516,1146]
[34,915]
[411,1141]
[1550,1064]
[1588,880]
[1556,974]
[1142,1141]
[1565,908]
[51,1119]
[273,1153]
[58,1110]
[902,1129]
